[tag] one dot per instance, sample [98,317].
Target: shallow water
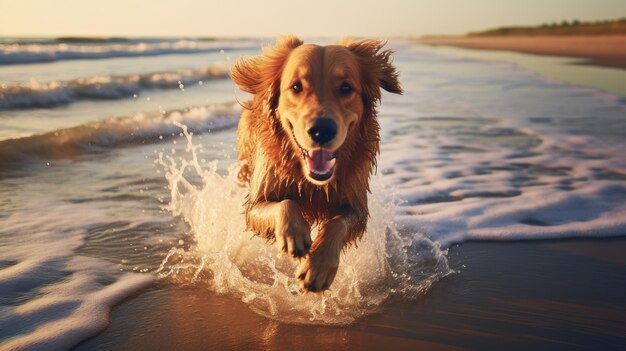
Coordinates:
[101,198]
[570,70]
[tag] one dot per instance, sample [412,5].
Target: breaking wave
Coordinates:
[50,94]
[24,52]
[142,128]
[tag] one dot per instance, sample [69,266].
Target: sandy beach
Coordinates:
[534,295]
[608,51]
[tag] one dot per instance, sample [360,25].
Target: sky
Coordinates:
[267,18]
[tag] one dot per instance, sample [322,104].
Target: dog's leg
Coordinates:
[317,271]
[283,221]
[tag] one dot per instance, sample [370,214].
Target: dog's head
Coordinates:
[320,94]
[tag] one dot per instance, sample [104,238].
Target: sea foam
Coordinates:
[476,178]
[63,298]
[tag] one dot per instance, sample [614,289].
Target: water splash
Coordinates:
[231,260]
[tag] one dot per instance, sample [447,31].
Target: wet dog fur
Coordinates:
[307,144]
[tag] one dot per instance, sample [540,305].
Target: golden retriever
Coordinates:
[307,143]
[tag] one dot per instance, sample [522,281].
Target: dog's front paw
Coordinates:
[292,231]
[318,270]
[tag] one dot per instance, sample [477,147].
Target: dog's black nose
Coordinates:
[323,130]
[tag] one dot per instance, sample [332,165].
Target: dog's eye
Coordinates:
[345,89]
[296,87]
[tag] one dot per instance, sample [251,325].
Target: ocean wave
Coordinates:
[97,136]
[41,95]
[96,39]
[63,297]
[21,52]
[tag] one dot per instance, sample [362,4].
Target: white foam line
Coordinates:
[18,53]
[49,94]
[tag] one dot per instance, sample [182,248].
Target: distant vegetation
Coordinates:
[574,27]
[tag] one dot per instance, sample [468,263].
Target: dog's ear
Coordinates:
[376,66]
[261,74]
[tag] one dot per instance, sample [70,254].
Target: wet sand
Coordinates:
[603,50]
[539,295]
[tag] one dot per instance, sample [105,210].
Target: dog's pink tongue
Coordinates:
[321,161]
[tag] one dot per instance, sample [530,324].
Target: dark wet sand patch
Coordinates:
[522,295]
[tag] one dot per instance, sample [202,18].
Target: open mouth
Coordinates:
[320,162]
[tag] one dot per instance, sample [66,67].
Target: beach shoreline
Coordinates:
[599,50]
[483,144]
[542,295]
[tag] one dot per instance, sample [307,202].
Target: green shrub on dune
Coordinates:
[575,27]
